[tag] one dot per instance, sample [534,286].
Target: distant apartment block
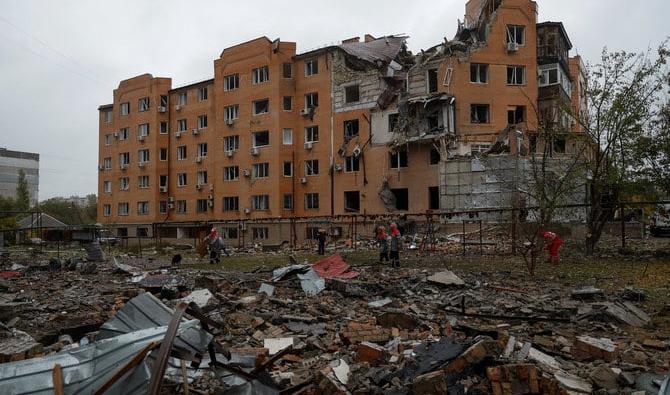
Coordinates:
[353,128]
[11,162]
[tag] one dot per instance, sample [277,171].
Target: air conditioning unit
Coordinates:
[356,152]
[512,46]
[123,166]
[198,159]
[246,173]
[303,180]
[338,167]
[230,153]
[177,107]
[163,189]
[177,134]
[161,109]
[116,135]
[101,167]
[309,145]
[305,112]
[247,210]
[141,138]
[170,199]
[141,164]
[254,151]
[230,122]
[198,186]
[195,132]
[210,203]
[170,206]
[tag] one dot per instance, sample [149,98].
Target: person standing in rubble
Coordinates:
[383,243]
[396,244]
[552,244]
[215,245]
[321,239]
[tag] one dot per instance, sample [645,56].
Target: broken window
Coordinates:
[479,113]
[143,104]
[401,198]
[559,145]
[163,180]
[181,179]
[181,99]
[431,77]
[231,173]
[350,129]
[202,93]
[231,143]
[107,210]
[181,152]
[352,201]
[288,201]
[287,136]
[260,202]
[163,128]
[124,183]
[201,206]
[231,112]
[516,34]
[311,67]
[143,130]
[260,233]
[124,133]
[202,177]
[351,94]
[163,154]
[202,121]
[312,167]
[107,163]
[125,108]
[142,208]
[260,75]
[143,181]
[351,164]
[202,150]
[311,201]
[231,82]
[434,156]
[229,233]
[447,76]
[231,203]
[478,149]
[261,106]
[398,159]
[261,170]
[287,70]
[393,121]
[479,73]
[124,158]
[312,100]
[312,134]
[181,125]
[516,115]
[288,169]
[260,139]
[288,103]
[432,120]
[164,101]
[433,198]
[123,208]
[181,206]
[516,75]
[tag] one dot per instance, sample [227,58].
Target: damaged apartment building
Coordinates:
[360,128]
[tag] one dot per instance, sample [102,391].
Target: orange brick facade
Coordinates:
[264,172]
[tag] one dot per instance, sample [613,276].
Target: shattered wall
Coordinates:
[367,77]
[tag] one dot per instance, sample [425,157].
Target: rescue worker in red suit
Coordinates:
[552,244]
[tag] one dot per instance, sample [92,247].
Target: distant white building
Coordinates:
[10,164]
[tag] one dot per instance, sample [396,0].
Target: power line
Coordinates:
[92,76]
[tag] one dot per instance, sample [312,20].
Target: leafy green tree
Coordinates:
[22,194]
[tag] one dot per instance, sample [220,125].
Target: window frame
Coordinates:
[260,202]
[396,159]
[311,67]
[254,103]
[309,100]
[202,121]
[182,152]
[230,203]
[312,132]
[287,132]
[182,180]
[514,35]
[311,200]
[124,109]
[233,170]
[143,104]
[488,113]
[233,140]
[254,141]
[311,167]
[232,110]
[235,78]
[478,73]
[290,169]
[515,69]
[260,75]
[260,170]
[352,164]
[347,89]
[203,94]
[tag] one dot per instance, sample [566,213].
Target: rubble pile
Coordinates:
[321,328]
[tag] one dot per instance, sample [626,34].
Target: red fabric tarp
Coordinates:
[333,267]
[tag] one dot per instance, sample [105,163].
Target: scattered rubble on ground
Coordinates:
[134,325]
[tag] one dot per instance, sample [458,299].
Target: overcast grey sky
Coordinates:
[60,59]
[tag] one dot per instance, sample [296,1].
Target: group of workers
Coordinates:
[389,244]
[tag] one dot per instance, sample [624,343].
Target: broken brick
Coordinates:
[590,348]
[432,383]
[514,379]
[371,353]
